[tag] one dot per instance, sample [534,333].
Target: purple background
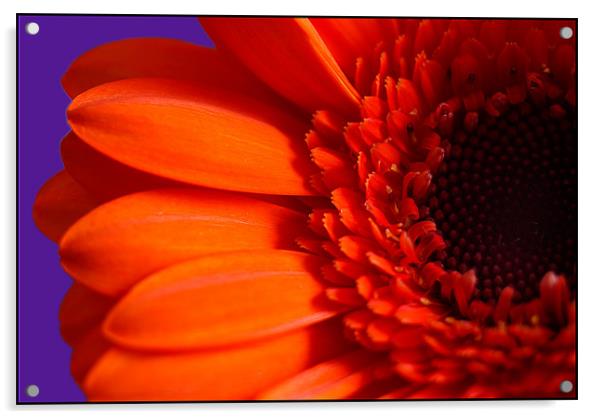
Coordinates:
[43,357]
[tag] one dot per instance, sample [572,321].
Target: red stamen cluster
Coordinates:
[452,198]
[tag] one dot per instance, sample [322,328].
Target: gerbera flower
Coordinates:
[321,209]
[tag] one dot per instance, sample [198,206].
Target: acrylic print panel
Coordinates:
[286,208]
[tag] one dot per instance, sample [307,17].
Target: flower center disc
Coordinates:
[505,200]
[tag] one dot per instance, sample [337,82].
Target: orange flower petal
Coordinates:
[86,352]
[59,204]
[103,176]
[125,240]
[159,57]
[84,164]
[289,55]
[221,299]
[235,373]
[109,179]
[321,379]
[348,39]
[195,133]
[81,311]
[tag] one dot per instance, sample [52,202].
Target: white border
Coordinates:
[590,210]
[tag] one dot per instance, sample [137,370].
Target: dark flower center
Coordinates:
[505,200]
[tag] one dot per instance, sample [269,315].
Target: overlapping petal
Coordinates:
[234,373]
[129,238]
[160,57]
[336,378]
[195,133]
[350,38]
[244,296]
[59,204]
[86,352]
[290,57]
[102,176]
[81,311]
